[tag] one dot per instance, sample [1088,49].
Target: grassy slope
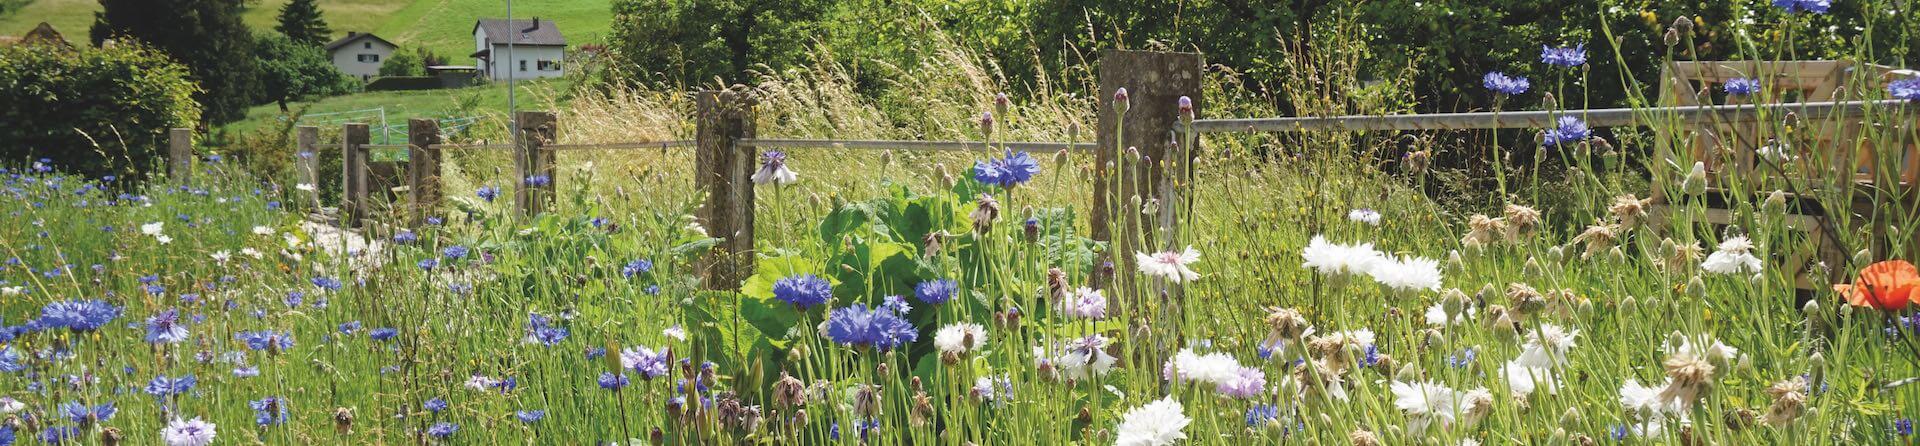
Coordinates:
[442,25]
[400,105]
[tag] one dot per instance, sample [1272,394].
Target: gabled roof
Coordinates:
[354,37]
[523,32]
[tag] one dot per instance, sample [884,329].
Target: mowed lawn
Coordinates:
[486,101]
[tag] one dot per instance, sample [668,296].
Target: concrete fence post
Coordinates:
[1155,81]
[180,153]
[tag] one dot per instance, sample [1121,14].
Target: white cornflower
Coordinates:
[1407,273]
[960,338]
[1170,265]
[1523,379]
[1705,347]
[675,332]
[153,228]
[773,169]
[9,405]
[1367,216]
[250,252]
[304,187]
[262,230]
[1078,359]
[1428,402]
[1155,424]
[481,383]
[1212,368]
[1437,315]
[1646,401]
[1547,346]
[221,256]
[188,432]
[1085,303]
[1735,256]
[163,239]
[1329,258]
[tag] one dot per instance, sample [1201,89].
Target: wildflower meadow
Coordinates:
[1311,292]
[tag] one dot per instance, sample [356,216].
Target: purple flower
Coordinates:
[613,381]
[83,315]
[382,334]
[539,180]
[1795,6]
[647,362]
[327,283]
[1564,56]
[1908,89]
[269,411]
[858,325]
[435,405]
[442,430]
[636,267]
[803,290]
[162,387]
[455,252]
[1571,131]
[933,292]
[165,328]
[1741,86]
[1503,84]
[1011,170]
[268,340]
[530,416]
[405,237]
[1249,382]
[487,193]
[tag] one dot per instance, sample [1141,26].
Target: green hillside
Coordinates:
[445,26]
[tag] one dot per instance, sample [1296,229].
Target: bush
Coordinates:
[292,71]
[99,111]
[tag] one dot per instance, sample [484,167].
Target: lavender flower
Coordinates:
[647,362]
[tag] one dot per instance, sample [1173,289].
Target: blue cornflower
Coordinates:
[541,331]
[653,290]
[1813,6]
[1571,131]
[1564,56]
[1503,84]
[84,415]
[1260,415]
[1013,169]
[1741,86]
[10,360]
[538,180]
[598,222]
[267,340]
[613,381]
[649,363]
[269,411]
[327,283]
[429,263]
[530,416]
[1908,89]
[161,386]
[1463,359]
[488,193]
[896,304]
[1903,426]
[59,434]
[858,325]
[405,237]
[435,405]
[84,315]
[455,252]
[934,292]
[294,299]
[442,430]
[596,352]
[7,437]
[1618,432]
[165,328]
[350,327]
[636,267]
[382,333]
[246,372]
[803,291]
[1372,356]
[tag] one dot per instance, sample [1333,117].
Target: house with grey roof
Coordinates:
[522,49]
[360,54]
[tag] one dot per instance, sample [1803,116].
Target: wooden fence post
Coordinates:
[1155,81]
[353,179]
[306,163]
[180,153]
[532,163]
[423,169]
[723,169]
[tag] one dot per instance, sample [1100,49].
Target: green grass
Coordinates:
[486,101]
[444,26]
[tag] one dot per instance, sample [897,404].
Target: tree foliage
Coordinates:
[656,41]
[403,63]
[101,111]
[292,71]
[205,35]
[301,21]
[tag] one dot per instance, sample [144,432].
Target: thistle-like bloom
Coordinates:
[648,362]
[1084,303]
[985,211]
[857,325]
[803,291]
[1741,86]
[773,169]
[1797,6]
[165,328]
[1169,265]
[934,292]
[77,315]
[1013,169]
[194,432]
[1565,56]
[1908,89]
[1735,256]
[1503,84]
[1156,424]
[1570,131]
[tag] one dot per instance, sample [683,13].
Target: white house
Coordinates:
[360,55]
[537,49]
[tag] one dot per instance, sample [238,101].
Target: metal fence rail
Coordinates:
[1606,117]
[1025,146]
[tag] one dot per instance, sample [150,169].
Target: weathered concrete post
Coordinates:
[354,138]
[180,153]
[306,163]
[423,169]
[723,169]
[533,163]
[1155,81]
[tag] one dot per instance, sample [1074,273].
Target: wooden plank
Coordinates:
[723,170]
[423,169]
[532,162]
[306,163]
[180,153]
[353,179]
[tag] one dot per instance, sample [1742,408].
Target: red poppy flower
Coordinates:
[1888,286]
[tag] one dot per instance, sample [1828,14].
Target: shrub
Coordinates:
[292,71]
[99,111]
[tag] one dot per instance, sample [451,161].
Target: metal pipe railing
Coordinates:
[1606,117]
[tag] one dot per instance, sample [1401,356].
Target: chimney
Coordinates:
[536,23]
[353,33]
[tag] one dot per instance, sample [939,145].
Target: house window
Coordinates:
[369,58]
[549,65]
[523,65]
[369,45]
